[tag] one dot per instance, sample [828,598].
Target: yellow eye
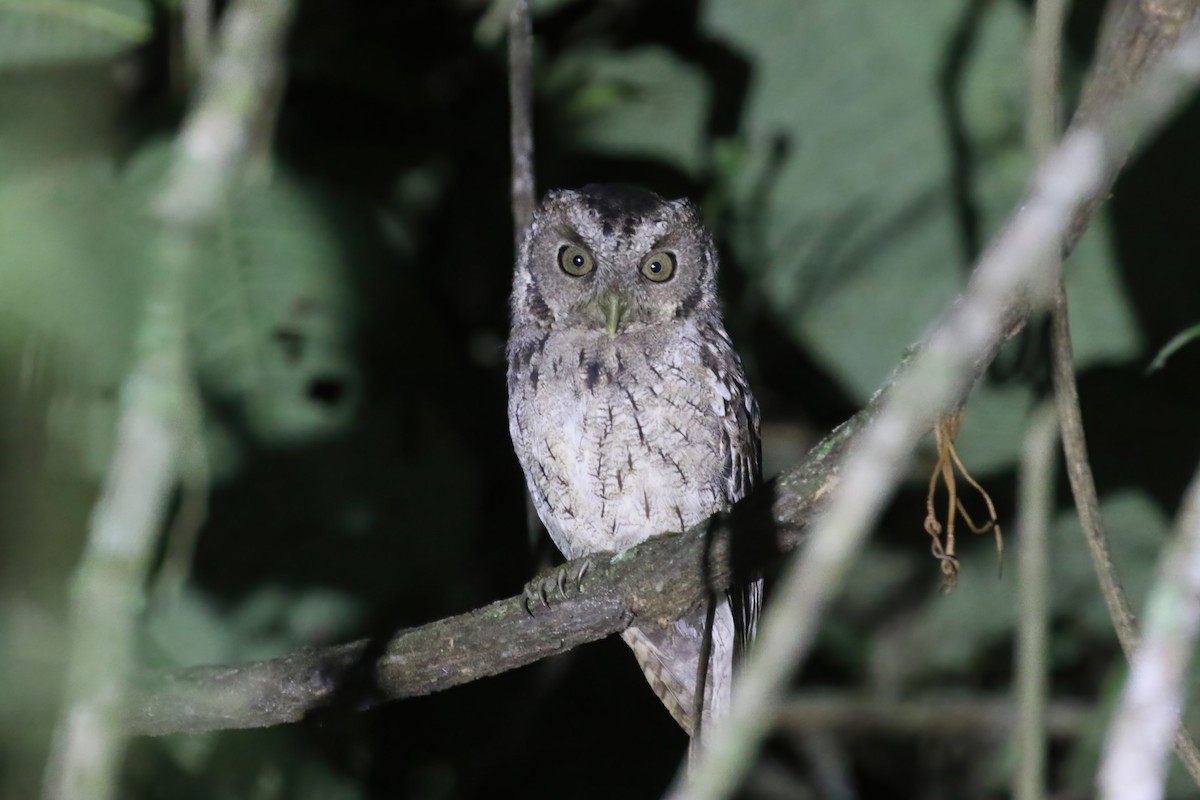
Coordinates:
[575,261]
[659,266]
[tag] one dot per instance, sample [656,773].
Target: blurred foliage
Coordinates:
[35,33]
[348,331]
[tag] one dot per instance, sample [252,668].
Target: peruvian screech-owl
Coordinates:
[628,407]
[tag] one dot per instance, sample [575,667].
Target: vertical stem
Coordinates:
[1045,57]
[520,98]
[197,37]
[520,93]
[1036,498]
[1037,466]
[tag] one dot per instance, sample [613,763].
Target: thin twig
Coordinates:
[1045,57]
[1037,467]
[154,422]
[197,37]
[1036,500]
[1087,506]
[179,547]
[524,184]
[1010,273]
[1133,766]
[520,95]
[1079,473]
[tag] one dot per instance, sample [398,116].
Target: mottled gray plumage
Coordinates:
[628,407]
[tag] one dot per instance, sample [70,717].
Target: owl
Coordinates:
[629,409]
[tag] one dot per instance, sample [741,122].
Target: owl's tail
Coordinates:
[670,659]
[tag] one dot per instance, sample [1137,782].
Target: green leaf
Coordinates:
[47,32]
[70,290]
[271,311]
[274,314]
[1172,347]
[844,191]
[645,102]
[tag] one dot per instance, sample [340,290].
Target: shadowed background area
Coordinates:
[348,334]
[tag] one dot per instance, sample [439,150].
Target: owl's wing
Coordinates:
[670,656]
[744,471]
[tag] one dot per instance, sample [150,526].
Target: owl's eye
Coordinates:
[659,266]
[575,261]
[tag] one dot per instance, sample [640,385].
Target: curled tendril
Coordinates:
[947,469]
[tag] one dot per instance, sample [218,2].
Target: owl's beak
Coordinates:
[612,307]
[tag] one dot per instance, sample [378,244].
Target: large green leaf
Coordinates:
[70,290]
[846,185]
[644,102]
[48,32]
[273,314]
[270,308]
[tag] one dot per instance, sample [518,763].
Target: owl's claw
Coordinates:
[563,580]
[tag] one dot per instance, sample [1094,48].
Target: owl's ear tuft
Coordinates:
[551,197]
[683,205]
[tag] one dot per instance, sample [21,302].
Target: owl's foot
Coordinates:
[559,582]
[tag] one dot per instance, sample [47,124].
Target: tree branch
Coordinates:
[1133,766]
[656,581]
[156,415]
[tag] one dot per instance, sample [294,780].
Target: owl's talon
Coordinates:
[562,582]
[534,595]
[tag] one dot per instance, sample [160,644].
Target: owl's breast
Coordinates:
[622,437]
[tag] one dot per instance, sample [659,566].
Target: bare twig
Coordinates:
[1036,499]
[1135,35]
[179,546]
[1009,275]
[520,95]
[1045,56]
[219,131]
[1133,766]
[1087,505]
[1083,484]
[154,421]
[524,183]
[197,36]
[1037,466]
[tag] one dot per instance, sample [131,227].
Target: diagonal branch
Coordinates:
[1133,766]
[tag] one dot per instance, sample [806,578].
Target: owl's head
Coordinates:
[614,258]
